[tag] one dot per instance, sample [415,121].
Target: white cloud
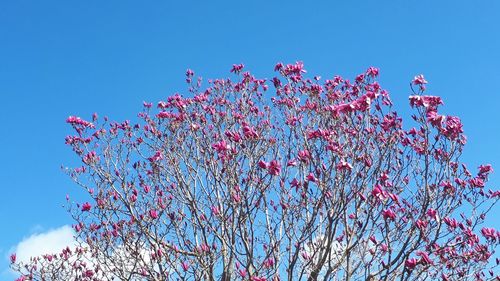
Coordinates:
[49,242]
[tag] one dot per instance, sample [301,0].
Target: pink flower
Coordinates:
[73,120]
[447,186]
[372,71]
[394,198]
[242,272]
[485,169]
[384,247]
[425,101]
[453,127]
[90,158]
[262,164]
[379,192]
[452,223]
[221,146]
[344,166]
[249,132]
[421,224]
[13,258]
[490,233]
[279,66]
[295,183]
[153,214]
[237,68]
[424,258]
[388,214]
[268,263]
[432,213]
[411,263]
[476,182]
[185,265]
[274,168]
[434,118]
[304,155]
[310,177]
[156,157]
[419,80]
[86,207]
[215,210]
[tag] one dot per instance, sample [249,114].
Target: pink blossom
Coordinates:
[476,182]
[153,214]
[379,192]
[372,71]
[221,146]
[310,177]
[419,80]
[73,120]
[485,169]
[388,214]
[432,213]
[86,207]
[434,118]
[242,272]
[274,168]
[424,258]
[490,233]
[237,68]
[421,224]
[262,164]
[344,166]
[425,101]
[268,263]
[164,115]
[394,198]
[453,127]
[452,223]
[384,247]
[295,183]
[185,265]
[411,263]
[147,104]
[304,155]
[90,157]
[215,210]
[447,186]
[156,157]
[279,66]
[249,132]
[13,258]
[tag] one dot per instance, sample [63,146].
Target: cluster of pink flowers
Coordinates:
[273,167]
[73,120]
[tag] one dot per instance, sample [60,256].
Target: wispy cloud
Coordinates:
[40,242]
[49,242]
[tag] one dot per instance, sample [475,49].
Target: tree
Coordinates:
[319,181]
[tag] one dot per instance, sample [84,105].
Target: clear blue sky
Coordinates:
[60,58]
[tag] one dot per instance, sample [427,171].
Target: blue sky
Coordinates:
[61,58]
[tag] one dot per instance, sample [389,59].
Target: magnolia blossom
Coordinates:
[419,80]
[86,207]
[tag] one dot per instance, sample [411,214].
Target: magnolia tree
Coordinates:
[309,181]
